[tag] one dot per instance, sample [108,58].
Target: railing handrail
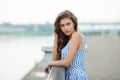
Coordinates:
[56,73]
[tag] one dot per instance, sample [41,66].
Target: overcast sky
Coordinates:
[42,11]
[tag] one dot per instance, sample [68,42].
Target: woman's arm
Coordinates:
[54,51]
[75,44]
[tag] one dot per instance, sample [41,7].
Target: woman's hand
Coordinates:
[47,68]
[53,63]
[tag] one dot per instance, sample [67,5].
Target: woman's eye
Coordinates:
[62,25]
[68,24]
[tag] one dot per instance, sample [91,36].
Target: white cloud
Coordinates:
[41,11]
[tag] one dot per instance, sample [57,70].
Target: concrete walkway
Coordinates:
[102,59]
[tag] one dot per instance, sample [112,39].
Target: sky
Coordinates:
[43,11]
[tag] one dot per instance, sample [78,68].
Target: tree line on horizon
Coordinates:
[26,29]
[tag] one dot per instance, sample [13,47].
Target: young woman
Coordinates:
[69,47]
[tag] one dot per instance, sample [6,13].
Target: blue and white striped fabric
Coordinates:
[76,71]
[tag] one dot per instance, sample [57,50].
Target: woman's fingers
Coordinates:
[46,69]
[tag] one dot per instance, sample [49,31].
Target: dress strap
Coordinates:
[84,45]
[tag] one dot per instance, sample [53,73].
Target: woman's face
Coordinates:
[67,26]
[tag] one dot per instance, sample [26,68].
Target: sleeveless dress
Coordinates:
[76,71]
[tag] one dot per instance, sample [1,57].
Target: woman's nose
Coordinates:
[66,27]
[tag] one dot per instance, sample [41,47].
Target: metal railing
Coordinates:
[56,73]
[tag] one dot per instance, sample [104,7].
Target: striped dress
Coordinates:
[76,71]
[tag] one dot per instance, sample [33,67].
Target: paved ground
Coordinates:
[102,59]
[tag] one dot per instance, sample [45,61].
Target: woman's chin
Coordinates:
[67,34]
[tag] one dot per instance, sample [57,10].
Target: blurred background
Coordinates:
[27,25]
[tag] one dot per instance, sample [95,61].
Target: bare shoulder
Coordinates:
[76,40]
[76,35]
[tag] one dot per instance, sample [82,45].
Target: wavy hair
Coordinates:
[62,38]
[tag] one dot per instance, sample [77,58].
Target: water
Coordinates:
[18,55]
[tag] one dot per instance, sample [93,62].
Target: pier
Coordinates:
[102,59]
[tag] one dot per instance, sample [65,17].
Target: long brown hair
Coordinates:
[62,38]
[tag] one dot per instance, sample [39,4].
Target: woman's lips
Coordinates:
[66,32]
